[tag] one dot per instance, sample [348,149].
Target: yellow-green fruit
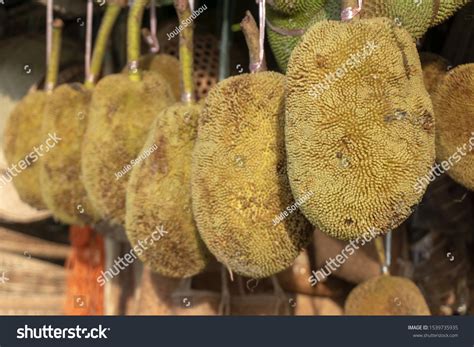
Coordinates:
[446,9]
[239,180]
[65,118]
[22,146]
[453,102]
[434,68]
[415,16]
[121,114]
[295,6]
[359,126]
[386,296]
[284,31]
[166,65]
[159,196]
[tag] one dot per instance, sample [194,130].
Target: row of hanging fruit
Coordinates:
[346,135]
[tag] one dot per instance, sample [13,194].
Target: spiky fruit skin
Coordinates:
[414,16]
[167,66]
[446,9]
[239,181]
[21,137]
[454,109]
[65,115]
[159,195]
[386,296]
[282,45]
[120,116]
[295,6]
[359,129]
[434,68]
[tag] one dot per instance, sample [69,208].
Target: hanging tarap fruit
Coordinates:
[239,180]
[453,102]
[434,68]
[386,295]
[159,190]
[23,139]
[122,110]
[66,114]
[165,64]
[359,126]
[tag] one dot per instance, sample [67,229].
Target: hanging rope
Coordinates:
[388,253]
[285,32]
[49,30]
[261,27]
[349,13]
[154,44]
[88,54]
[225,41]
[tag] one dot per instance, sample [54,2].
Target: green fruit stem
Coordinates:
[252,37]
[110,17]
[186,59]
[53,67]
[133,38]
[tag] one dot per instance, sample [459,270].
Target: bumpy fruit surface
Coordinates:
[159,196]
[359,126]
[239,180]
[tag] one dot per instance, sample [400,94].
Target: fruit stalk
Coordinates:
[110,16]
[252,37]
[186,59]
[53,67]
[133,38]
